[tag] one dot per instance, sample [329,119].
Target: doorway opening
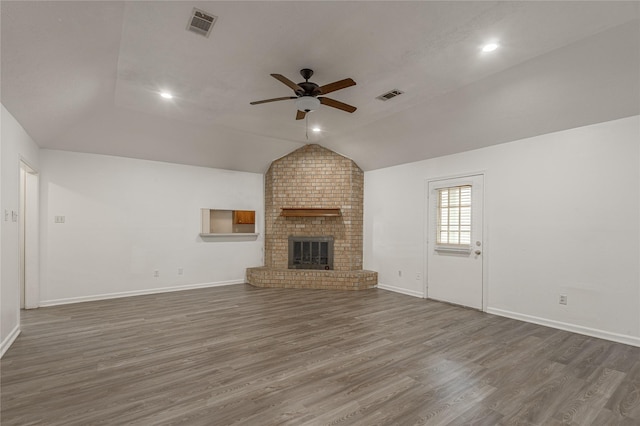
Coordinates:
[29,213]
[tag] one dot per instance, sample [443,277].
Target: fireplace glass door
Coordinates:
[311,253]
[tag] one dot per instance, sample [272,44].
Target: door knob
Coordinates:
[478,252]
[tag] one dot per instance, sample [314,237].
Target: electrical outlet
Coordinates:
[418,276]
[563,299]
[180,271]
[156,273]
[399,273]
[59,219]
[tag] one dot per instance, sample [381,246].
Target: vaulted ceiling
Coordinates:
[86,75]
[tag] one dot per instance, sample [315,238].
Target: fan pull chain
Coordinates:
[306,125]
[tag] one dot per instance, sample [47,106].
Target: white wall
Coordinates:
[578,232]
[15,145]
[126,218]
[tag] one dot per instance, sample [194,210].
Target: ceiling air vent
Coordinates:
[201,22]
[391,94]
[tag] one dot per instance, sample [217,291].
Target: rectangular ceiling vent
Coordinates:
[391,94]
[201,22]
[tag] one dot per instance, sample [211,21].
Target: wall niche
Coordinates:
[219,222]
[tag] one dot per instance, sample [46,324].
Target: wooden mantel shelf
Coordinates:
[309,212]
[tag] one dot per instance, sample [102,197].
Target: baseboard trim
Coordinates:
[587,331]
[4,346]
[400,290]
[67,301]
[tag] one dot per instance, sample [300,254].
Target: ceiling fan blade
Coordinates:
[337,104]
[288,82]
[337,85]
[300,115]
[273,100]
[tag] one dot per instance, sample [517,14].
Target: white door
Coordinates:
[454,242]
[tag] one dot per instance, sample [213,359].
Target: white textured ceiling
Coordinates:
[85,76]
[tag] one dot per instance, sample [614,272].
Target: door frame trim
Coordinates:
[29,218]
[485,232]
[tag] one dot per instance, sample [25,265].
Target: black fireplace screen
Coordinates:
[310,252]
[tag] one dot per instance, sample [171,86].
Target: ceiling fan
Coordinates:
[308,94]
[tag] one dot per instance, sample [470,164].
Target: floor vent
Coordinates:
[201,22]
[391,94]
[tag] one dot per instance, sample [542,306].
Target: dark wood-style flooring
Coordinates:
[249,356]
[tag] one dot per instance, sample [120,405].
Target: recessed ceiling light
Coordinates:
[166,95]
[490,47]
[316,129]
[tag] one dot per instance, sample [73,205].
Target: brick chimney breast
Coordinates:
[314,177]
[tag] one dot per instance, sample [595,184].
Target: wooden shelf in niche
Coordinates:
[310,212]
[236,236]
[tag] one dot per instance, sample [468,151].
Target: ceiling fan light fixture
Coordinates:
[307,103]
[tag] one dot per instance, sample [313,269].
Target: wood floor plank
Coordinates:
[247,356]
[587,401]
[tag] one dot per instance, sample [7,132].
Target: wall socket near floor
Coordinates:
[563,299]
[156,273]
[180,271]
[418,276]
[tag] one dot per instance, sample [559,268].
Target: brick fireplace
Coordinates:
[313,193]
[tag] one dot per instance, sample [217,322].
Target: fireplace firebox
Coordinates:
[311,253]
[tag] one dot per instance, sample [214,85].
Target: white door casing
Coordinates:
[455,271]
[29,237]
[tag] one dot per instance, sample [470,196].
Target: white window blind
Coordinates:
[454,216]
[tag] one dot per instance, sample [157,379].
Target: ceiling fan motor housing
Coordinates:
[308,89]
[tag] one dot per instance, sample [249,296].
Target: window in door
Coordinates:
[454,216]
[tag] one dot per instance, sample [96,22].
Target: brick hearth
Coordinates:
[296,278]
[314,177]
